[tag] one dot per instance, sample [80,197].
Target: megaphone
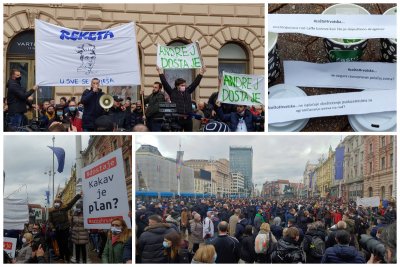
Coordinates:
[106,102]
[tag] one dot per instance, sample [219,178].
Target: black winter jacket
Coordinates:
[342,254]
[150,243]
[287,252]
[92,108]
[183,100]
[247,252]
[16,97]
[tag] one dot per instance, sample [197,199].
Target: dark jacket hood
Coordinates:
[158,228]
[345,252]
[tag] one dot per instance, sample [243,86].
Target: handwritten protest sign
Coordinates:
[295,108]
[9,246]
[179,57]
[105,195]
[368,201]
[69,57]
[241,89]
[350,75]
[334,26]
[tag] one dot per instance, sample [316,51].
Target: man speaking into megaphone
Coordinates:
[91,102]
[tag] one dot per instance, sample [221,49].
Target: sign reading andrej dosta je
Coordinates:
[73,57]
[241,89]
[179,57]
[105,195]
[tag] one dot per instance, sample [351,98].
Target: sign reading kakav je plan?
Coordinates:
[69,57]
[105,195]
[179,57]
[241,89]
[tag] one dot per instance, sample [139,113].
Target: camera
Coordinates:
[373,246]
[170,117]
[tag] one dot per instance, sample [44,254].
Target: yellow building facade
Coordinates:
[325,173]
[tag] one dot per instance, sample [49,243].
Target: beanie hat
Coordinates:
[216,126]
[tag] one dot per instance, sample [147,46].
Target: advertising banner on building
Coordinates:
[179,57]
[69,57]
[339,160]
[368,201]
[105,196]
[241,89]
[9,246]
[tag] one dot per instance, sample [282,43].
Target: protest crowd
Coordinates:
[257,230]
[89,114]
[54,240]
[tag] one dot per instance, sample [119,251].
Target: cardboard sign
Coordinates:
[9,246]
[295,108]
[241,89]
[105,196]
[38,213]
[334,26]
[349,75]
[179,57]
[368,201]
[69,57]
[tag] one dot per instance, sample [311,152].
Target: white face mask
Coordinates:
[57,205]
[182,88]
[24,240]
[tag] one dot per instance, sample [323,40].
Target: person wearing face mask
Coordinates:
[17,98]
[47,118]
[174,248]
[116,239]
[26,251]
[240,121]
[59,222]
[91,101]
[74,116]
[80,236]
[152,115]
[181,95]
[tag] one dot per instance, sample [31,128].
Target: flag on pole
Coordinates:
[179,163]
[60,154]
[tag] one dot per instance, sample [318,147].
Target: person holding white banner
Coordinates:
[91,102]
[182,96]
[17,98]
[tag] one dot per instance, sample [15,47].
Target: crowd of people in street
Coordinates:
[87,113]
[54,240]
[257,230]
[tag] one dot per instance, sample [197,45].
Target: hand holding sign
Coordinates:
[203,70]
[159,70]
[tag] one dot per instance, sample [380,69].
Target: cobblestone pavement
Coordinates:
[311,49]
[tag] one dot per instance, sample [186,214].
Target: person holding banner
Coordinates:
[182,96]
[116,239]
[91,101]
[17,98]
[153,116]
[59,222]
[240,121]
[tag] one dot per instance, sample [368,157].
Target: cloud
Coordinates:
[274,157]
[27,158]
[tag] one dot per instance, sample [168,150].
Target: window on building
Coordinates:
[172,74]
[370,192]
[232,57]
[370,148]
[391,139]
[383,141]
[361,171]
[390,190]
[383,192]
[383,166]
[391,160]
[362,156]
[370,167]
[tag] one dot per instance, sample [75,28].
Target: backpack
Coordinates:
[184,256]
[317,247]
[262,243]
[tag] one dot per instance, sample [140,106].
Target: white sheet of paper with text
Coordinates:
[295,108]
[352,75]
[334,26]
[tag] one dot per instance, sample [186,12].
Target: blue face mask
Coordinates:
[80,109]
[72,109]
[59,113]
[165,244]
